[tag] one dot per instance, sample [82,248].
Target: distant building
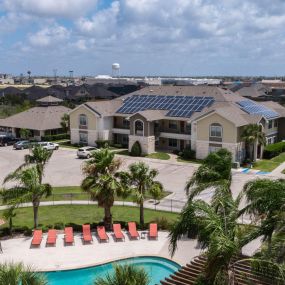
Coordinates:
[6,79]
[41,121]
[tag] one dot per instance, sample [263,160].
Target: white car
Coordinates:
[85,152]
[49,145]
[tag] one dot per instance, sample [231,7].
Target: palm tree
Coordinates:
[17,273]
[28,188]
[218,231]
[266,201]
[39,156]
[215,172]
[65,123]
[101,181]
[125,275]
[253,135]
[9,214]
[141,179]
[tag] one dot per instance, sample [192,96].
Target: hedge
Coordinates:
[56,137]
[103,143]
[273,150]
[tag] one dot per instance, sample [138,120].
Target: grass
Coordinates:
[193,160]
[67,144]
[159,155]
[74,193]
[269,164]
[123,152]
[80,214]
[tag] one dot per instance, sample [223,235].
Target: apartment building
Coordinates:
[172,117]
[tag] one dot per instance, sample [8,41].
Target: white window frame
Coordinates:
[270,124]
[86,121]
[83,141]
[216,126]
[169,140]
[172,125]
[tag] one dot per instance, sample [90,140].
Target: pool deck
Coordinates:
[61,257]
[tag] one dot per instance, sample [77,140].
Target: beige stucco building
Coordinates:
[173,117]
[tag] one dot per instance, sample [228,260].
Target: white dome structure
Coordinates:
[116,69]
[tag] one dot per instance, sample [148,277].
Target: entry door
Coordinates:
[182,144]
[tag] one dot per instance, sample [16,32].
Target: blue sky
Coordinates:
[147,37]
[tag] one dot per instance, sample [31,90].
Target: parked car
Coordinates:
[6,140]
[49,145]
[22,144]
[85,152]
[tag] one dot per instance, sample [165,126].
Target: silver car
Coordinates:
[85,152]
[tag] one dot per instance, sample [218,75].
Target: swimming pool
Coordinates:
[157,267]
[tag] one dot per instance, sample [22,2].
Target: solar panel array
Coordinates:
[253,108]
[177,106]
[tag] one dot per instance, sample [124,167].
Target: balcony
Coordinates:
[121,131]
[178,136]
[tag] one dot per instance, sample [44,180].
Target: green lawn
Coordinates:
[72,193]
[159,155]
[269,164]
[198,161]
[80,214]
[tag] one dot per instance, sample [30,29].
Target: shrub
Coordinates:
[103,143]
[136,149]
[273,150]
[117,145]
[162,223]
[188,153]
[56,137]
[59,226]
[176,151]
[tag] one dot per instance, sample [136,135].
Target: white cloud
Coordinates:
[50,8]
[49,36]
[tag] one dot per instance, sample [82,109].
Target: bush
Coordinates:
[162,223]
[273,150]
[56,137]
[188,153]
[136,149]
[103,143]
[176,151]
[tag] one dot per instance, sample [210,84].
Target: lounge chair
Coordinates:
[37,237]
[86,232]
[118,232]
[133,230]
[102,234]
[51,238]
[68,235]
[153,231]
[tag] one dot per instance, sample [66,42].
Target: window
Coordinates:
[172,142]
[138,128]
[83,138]
[82,120]
[270,123]
[126,123]
[275,123]
[214,148]
[271,140]
[172,125]
[216,130]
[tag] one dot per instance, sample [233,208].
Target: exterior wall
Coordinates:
[147,143]
[91,118]
[281,129]
[229,129]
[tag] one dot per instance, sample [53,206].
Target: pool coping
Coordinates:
[108,261]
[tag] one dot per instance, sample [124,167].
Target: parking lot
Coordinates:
[64,169]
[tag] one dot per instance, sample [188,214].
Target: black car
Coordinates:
[6,140]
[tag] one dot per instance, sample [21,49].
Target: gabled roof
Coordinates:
[49,99]
[152,115]
[37,118]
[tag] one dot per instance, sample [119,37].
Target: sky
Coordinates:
[147,37]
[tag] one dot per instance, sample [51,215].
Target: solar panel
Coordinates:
[253,108]
[177,106]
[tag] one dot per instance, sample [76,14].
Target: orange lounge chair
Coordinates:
[102,233]
[68,238]
[87,237]
[51,238]
[37,237]
[153,231]
[118,232]
[133,230]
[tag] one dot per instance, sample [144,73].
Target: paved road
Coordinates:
[64,169]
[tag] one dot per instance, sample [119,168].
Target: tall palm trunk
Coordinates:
[108,218]
[36,205]
[141,214]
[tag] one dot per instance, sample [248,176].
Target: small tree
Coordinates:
[9,214]
[65,123]
[25,133]
[136,149]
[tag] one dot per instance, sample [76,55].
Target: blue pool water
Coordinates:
[157,268]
